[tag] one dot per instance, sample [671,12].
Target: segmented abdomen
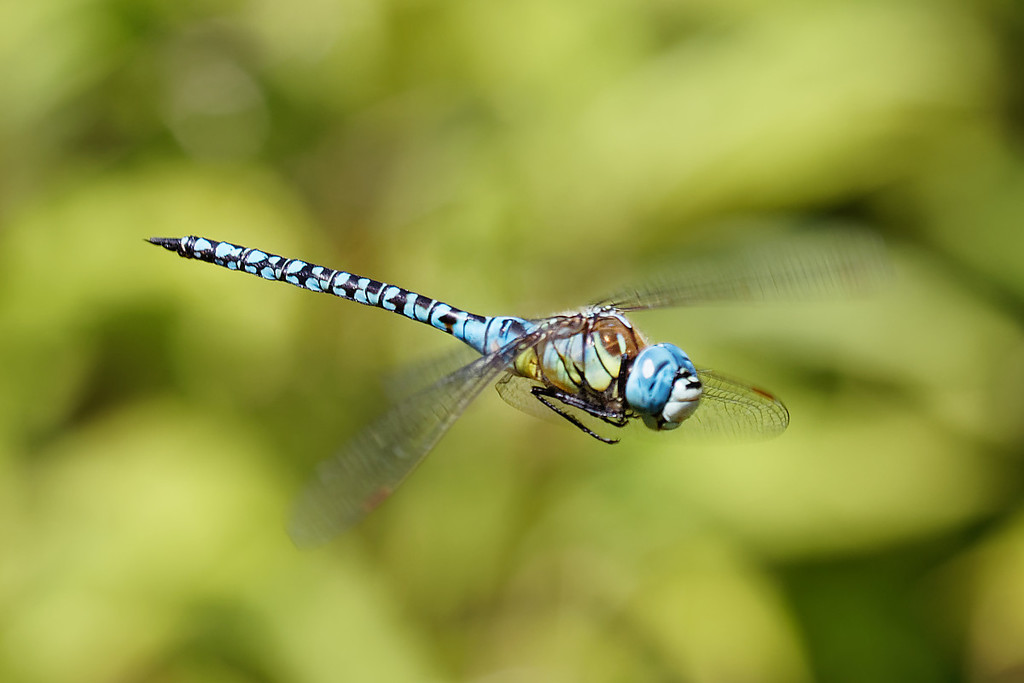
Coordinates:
[484,334]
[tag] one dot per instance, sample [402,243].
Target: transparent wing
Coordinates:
[347,487]
[515,391]
[416,376]
[798,266]
[733,408]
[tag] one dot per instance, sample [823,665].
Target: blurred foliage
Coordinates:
[157,416]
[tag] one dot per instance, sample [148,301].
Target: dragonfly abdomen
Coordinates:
[363,290]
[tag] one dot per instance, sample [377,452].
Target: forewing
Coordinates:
[800,266]
[732,408]
[347,487]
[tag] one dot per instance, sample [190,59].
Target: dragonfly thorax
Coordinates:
[663,387]
[584,354]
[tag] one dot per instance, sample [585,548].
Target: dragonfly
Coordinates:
[591,368]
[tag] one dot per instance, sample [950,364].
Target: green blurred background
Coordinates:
[157,415]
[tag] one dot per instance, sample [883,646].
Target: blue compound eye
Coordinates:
[663,386]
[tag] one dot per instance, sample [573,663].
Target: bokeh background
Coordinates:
[157,416]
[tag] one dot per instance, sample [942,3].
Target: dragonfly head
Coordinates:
[663,386]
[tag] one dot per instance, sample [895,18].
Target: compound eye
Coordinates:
[649,384]
[663,386]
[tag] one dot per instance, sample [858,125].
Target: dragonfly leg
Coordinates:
[614,418]
[544,394]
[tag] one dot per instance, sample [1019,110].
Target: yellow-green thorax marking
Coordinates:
[589,354]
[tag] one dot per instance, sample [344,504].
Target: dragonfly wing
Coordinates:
[515,391]
[347,487]
[416,376]
[732,408]
[802,266]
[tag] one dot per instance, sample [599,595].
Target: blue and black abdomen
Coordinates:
[482,333]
